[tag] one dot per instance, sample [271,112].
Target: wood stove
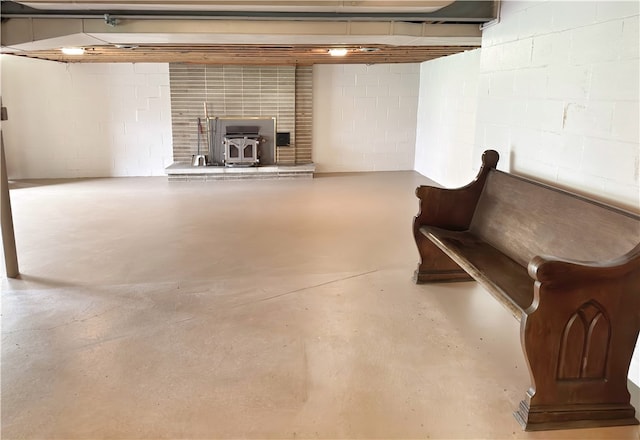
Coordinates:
[242,145]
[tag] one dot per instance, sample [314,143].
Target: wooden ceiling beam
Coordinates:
[248,54]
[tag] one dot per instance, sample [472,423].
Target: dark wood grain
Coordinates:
[503,277]
[524,219]
[450,209]
[566,266]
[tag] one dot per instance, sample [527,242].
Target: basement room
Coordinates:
[320,219]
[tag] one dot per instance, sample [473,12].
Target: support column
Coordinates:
[6,219]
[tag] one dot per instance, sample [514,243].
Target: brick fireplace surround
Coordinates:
[282,92]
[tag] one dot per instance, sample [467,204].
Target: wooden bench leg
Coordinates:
[578,349]
[435,265]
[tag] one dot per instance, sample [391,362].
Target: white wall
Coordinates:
[446,126]
[364,117]
[92,120]
[85,120]
[558,97]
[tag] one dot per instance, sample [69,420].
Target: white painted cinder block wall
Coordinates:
[446,121]
[558,97]
[85,120]
[364,117]
[97,120]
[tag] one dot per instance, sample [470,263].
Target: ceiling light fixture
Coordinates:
[338,52]
[72,50]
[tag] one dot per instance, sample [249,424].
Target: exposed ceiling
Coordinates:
[243,31]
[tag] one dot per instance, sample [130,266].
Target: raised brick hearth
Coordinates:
[186,172]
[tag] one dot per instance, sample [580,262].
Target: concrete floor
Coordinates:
[248,309]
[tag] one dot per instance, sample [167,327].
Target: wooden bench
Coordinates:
[566,266]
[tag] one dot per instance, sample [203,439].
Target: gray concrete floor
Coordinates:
[249,309]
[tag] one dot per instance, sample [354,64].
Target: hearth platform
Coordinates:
[184,172]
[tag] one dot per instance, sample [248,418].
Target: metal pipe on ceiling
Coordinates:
[258,16]
[459,12]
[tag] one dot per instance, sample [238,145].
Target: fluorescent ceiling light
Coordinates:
[72,50]
[338,52]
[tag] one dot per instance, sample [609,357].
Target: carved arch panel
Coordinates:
[585,344]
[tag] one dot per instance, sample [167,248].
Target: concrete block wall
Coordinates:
[97,120]
[85,120]
[447,118]
[559,95]
[364,117]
